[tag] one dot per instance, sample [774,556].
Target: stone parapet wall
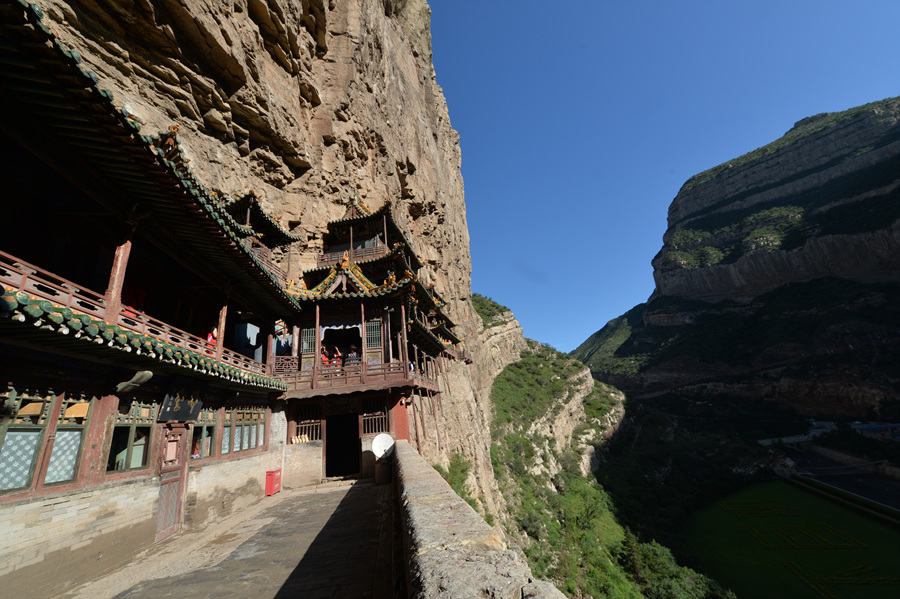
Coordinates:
[449,549]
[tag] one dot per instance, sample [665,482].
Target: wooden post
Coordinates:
[220,328]
[404,351]
[387,343]
[270,347]
[317,359]
[363,343]
[295,341]
[351,243]
[117,280]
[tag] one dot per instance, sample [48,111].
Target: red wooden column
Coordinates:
[270,349]
[387,344]
[317,359]
[404,352]
[220,328]
[363,343]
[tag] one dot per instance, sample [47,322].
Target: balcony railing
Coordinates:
[346,378]
[355,255]
[19,275]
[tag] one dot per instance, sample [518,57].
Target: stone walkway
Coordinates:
[333,542]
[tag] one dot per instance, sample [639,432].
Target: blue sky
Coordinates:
[580,120]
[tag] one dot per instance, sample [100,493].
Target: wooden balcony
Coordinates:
[19,276]
[355,255]
[336,380]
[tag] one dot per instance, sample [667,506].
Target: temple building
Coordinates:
[157,365]
[370,336]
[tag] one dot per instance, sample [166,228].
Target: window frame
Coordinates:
[134,419]
[67,420]
[41,422]
[207,423]
[247,429]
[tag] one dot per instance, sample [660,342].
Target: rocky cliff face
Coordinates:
[778,278]
[310,103]
[820,201]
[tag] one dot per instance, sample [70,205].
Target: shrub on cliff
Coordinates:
[489,310]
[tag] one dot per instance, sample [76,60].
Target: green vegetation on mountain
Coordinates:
[529,388]
[456,474]
[825,310]
[565,521]
[600,352]
[489,310]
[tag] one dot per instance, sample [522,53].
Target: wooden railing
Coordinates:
[374,423]
[36,282]
[307,431]
[355,255]
[356,375]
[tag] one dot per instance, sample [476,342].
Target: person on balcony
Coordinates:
[352,357]
[326,358]
[211,339]
[337,359]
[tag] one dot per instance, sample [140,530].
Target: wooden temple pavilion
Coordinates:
[157,366]
[370,333]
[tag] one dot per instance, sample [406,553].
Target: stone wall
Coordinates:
[451,551]
[303,466]
[219,488]
[83,534]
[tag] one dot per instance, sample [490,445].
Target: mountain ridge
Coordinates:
[778,276]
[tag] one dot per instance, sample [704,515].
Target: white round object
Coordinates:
[382,445]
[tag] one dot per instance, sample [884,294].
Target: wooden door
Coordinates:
[172,475]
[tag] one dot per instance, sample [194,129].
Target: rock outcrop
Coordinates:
[310,103]
[778,278]
[820,201]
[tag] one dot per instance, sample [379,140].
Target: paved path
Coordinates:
[335,543]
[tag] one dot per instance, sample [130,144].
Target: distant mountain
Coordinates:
[779,276]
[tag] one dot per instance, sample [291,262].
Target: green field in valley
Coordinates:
[775,540]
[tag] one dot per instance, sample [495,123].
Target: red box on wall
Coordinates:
[273,482]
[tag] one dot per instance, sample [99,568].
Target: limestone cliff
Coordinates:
[820,201]
[779,276]
[311,103]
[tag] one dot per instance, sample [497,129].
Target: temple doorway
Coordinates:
[342,338]
[342,446]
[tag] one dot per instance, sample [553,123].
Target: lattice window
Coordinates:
[203,440]
[130,444]
[71,424]
[373,333]
[308,341]
[23,419]
[226,438]
[309,424]
[246,428]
